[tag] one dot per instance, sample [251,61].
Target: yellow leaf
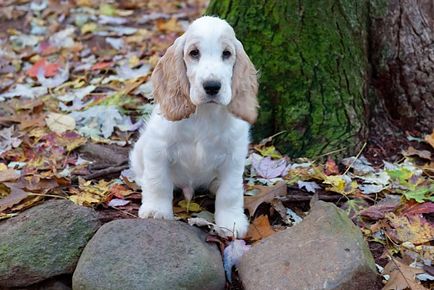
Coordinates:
[84,3]
[60,123]
[89,28]
[190,206]
[133,61]
[169,26]
[430,139]
[414,229]
[340,185]
[89,194]
[85,200]
[337,183]
[107,9]
[269,151]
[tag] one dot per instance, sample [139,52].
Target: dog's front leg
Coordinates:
[157,189]
[229,206]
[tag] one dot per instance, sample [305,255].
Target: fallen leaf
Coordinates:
[415,229]
[200,222]
[419,208]
[60,123]
[89,194]
[15,196]
[101,65]
[266,194]
[9,174]
[371,188]
[310,186]
[169,26]
[420,194]
[25,91]
[190,206]
[430,139]
[341,184]
[402,276]
[118,202]
[269,151]
[411,151]
[360,166]
[49,69]
[268,168]
[260,228]
[331,167]
[379,210]
[56,81]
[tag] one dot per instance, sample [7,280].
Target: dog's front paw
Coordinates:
[158,210]
[233,222]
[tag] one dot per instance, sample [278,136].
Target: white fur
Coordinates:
[208,149]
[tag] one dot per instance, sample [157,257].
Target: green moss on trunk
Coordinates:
[311,56]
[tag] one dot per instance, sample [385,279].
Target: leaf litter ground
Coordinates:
[74,90]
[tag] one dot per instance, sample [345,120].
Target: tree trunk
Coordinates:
[312,60]
[402,46]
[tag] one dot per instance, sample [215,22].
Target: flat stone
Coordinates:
[149,254]
[43,242]
[325,251]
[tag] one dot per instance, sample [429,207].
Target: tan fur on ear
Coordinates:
[171,86]
[244,87]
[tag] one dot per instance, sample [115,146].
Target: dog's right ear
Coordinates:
[171,86]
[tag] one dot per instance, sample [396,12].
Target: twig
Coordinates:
[106,171]
[103,166]
[357,157]
[299,197]
[125,212]
[47,195]
[328,153]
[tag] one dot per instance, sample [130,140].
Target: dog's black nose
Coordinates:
[212,87]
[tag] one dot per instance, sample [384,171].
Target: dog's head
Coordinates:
[206,65]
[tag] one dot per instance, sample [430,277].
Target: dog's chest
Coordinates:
[196,156]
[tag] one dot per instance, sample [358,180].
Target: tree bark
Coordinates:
[402,57]
[312,60]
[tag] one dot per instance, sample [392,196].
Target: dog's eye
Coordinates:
[194,53]
[226,54]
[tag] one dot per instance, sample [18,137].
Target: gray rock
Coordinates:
[325,251]
[149,254]
[43,242]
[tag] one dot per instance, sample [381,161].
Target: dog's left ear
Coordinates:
[244,103]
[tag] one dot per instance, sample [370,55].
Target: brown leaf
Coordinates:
[401,276]
[8,174]
[15,196]
[418,208]
[330,167]
[430,139]
[378,211]
[415,229]
[411,151]
[266,194]
[259,229]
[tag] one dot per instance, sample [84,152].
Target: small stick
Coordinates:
[357,157]
[300,198]
[106,171]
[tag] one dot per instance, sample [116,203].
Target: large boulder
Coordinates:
[149,254]
[325,251]
[43,242]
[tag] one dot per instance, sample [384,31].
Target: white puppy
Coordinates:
[205,88]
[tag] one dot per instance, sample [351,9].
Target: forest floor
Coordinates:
[74,83]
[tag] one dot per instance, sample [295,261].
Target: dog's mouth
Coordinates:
[212,102]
